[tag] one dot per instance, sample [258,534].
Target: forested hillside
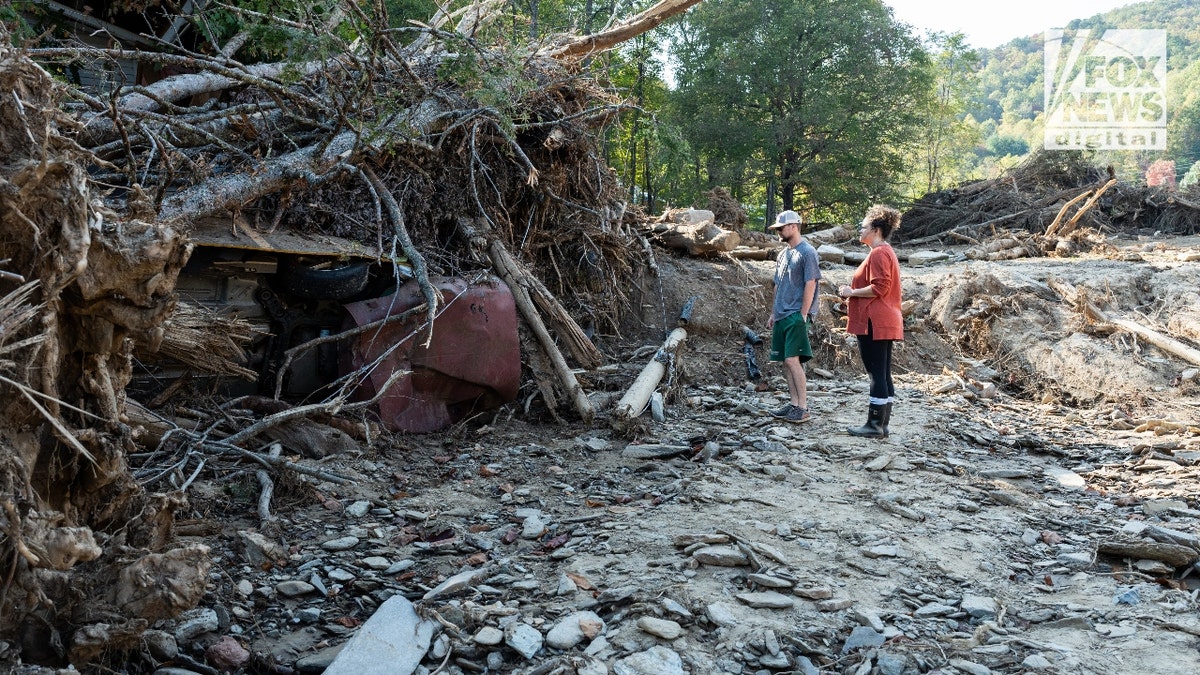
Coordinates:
[1008,107]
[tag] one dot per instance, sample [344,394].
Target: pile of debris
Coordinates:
[1051,203]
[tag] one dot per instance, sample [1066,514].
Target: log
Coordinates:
[1163,342]
[704,238]
[592,44]
[634,401]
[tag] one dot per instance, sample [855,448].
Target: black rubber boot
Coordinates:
[887,417]
[874,426]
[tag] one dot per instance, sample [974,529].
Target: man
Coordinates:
[797,270]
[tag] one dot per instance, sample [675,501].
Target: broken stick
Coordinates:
[634,401]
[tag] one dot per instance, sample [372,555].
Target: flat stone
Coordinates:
[657,660]
[831,253]
[721,556]
[883,552]
[376,562]
[294,588]
[1075,560]
[1158,506]
[674,607]
[834,605]
[1110,631]
[775,661]
[814,592]
[196,622]
[663,628]
[358,509]
[721,614]
[767,600]
[868,618]
[919,258]
[970,668]
[890,664]
[862,637]
[1036,662]
[978,606]
[340,544]
[574,629]
[319,662]
[392,642]
[933,609]
[768,581]
[523,639]
[489,636]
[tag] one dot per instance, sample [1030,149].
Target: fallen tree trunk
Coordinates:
[634,401]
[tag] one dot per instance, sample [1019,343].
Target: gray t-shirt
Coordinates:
[795,266]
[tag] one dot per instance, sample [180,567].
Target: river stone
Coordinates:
[392,642]
[978,606]
[523,639]
[862,636]
[767,600]
[657,660]
[340,544]
[721,556]
[663,628]
[573,629]
[489,636]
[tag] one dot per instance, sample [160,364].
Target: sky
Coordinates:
[989,25]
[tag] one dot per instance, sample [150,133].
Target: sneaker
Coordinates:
[782,412]
[797,415]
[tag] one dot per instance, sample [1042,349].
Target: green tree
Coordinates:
[817,99]
[947,139]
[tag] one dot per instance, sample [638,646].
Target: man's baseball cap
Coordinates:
[786,218]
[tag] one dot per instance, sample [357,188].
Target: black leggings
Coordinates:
[877,359]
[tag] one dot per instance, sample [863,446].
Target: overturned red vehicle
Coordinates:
[473,362]
[294,289]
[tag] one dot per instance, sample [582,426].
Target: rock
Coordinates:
[883,552]
[489,636]
[868,618]
[879,463]
[358,509]
[340,544]
[834,604]
[1129,596]
[721,556]
[920,258]
[675,608]
[969,667]
[774,661]
[978,606]
[293,588]
[590,666]
[392,642]
[259,550]
[721,614]
[1036,662]
[657,660]
[933,609]
[160,644]
[768,581]
[1075,560]
[375,562]
[766,600]
[1156,507]
[574,629]
[227,654]
[814,592]
[319,662]
[1109,631]
[890,664]
[523,639]
[663,628]
[862,636]
[195,622]
[532,527]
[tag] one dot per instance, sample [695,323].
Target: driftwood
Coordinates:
[638,395]
[695,232]
[1163,342]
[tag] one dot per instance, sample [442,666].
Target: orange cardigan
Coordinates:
[881,271]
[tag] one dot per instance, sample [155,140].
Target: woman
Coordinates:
[875,317]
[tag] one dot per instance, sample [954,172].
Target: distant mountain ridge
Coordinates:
[1011,74]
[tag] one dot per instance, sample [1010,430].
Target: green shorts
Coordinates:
[789,337]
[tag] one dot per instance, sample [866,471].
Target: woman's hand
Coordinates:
[844,291]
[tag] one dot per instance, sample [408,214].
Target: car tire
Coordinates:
[341,280]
